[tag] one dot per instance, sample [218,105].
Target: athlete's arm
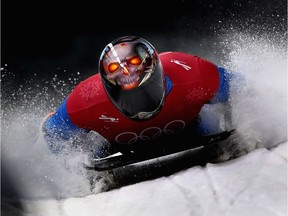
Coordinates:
[58,128]
[223,92]
[213,120]
[225,86]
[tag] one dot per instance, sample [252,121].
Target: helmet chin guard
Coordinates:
[132,75]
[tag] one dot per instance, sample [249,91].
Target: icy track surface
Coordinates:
[255,184]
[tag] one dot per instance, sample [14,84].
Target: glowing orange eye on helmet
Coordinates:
[113,67]
[135,60]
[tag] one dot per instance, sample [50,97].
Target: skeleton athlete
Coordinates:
[138,96]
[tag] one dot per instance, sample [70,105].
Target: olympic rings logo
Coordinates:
[150,133]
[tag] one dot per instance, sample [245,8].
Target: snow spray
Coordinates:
[29,170]
[259,107]
[259,112]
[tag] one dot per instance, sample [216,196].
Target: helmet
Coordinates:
[132,76]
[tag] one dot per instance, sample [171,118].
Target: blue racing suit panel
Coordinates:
[61,124]
[210,121]
[229,81]
[222,94]
[168,85]
[59,127]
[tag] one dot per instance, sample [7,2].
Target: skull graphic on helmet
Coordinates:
[128,64]
[132,76]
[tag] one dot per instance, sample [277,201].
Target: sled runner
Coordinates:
[130,166]
[158,153]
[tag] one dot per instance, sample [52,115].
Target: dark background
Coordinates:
[40,36]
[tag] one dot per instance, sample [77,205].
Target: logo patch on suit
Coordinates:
[182,64]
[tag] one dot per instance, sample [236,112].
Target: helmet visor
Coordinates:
[132,76]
